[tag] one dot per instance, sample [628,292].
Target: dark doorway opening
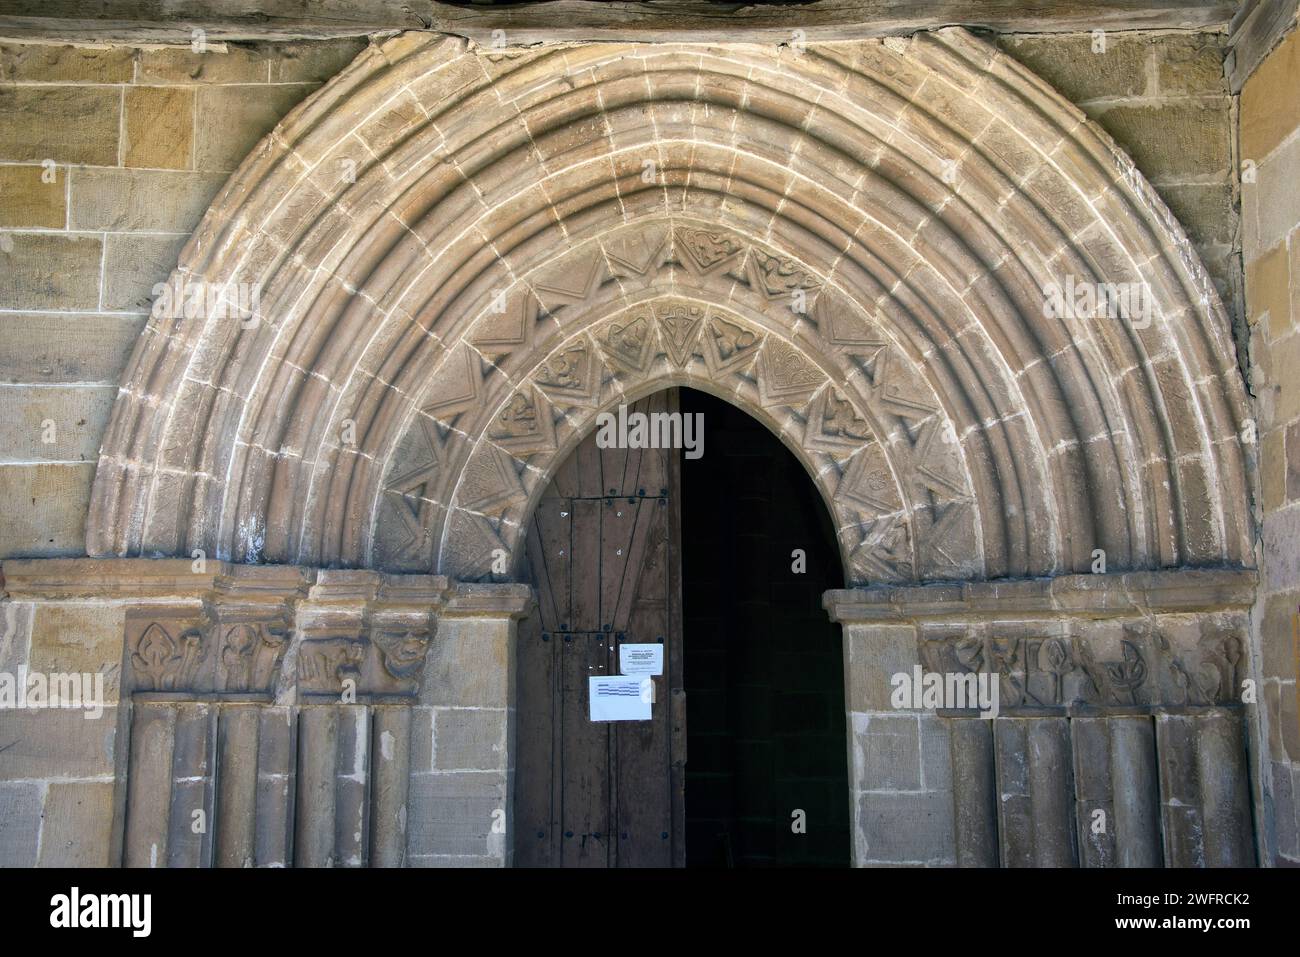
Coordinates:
[764,670]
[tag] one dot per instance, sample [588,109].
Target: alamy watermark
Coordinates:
[651,430]
[37,690]
[1077,298]
[946,691]
[207,300]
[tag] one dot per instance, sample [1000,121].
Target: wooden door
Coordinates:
[603,554]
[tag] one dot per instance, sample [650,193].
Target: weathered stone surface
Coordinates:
[77,347]
[41,63]
[134,265]
[15,634]
[32,196]
[1269,108]
[52,423]
[975,803]
[1173,141]
[143,200]
[887,752]
[49,271]
[1207,210]
[20,823]
[50,518]
[50,743]
[1281,562]
[234,118]
[226,63]
[1268,286]
[78,826]
[159,128]
[469,739]
[79,639]
[905,828]
[452,814]
[1081,71]
[1191,65]
[391,774]
[467,665]
[871,657]
[312,62]
[64,124]
[236,822]
[149,783]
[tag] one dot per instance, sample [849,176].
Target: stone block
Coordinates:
[225,63]
[1081,73]
[313,61]
[1206,210]
[1190,64]
[886,752]
[422,739]
[1285,807]
[453,860]
[28,201]
[1172,141]
[72,418]
[49,271]
[469,739]
[78,827]
[68,124]
[872,656]
[42,63]
[1276,200]
[134,264]
[66,348]
[232,119]
[1291,464]
[43,509]
[1288,722]
[468,664]
[1277,646]
[1268,291]
[452,813]
[20,823]
[906,828]
[1282,357]
[56,743]
[1281,558]
[81,639]
[141,200]
[1270,110]
[1273,469]
[15,634]
[159,127]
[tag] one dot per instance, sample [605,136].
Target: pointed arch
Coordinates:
[462,256]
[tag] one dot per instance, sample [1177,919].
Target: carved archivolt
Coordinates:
[463,256]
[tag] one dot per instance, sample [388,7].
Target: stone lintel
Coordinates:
[489,600]
[1117,594]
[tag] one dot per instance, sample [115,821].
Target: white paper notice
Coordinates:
[641,659]
[619,698]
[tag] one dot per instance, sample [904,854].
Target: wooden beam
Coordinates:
[1256,29]
[165,21]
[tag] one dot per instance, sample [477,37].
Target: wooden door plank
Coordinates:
[674,656]
[535,839]
[644,784]
[585,755]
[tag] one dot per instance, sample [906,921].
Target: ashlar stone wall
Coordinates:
[108,158]
[1270,150]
